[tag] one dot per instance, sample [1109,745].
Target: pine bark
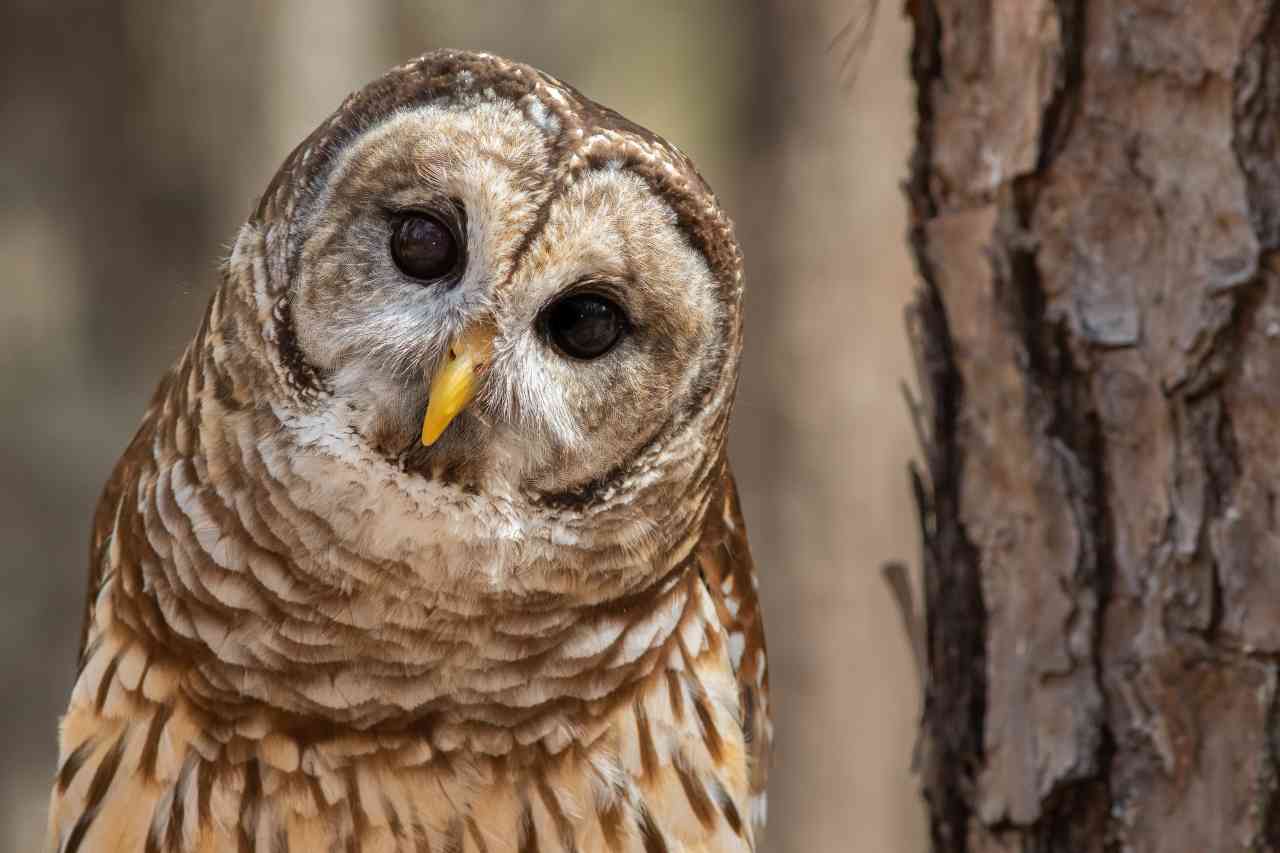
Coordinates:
[1096,199]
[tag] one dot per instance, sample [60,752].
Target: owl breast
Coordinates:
[663,767]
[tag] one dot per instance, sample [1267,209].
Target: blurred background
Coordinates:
[137,136]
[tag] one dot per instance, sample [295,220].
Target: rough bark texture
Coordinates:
[1096,191]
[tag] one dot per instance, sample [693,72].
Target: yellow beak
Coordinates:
[456,380]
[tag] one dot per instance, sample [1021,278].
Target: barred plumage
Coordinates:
[307,631]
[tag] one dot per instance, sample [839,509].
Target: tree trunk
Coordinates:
[1096,191]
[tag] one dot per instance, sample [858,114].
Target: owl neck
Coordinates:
[286,573]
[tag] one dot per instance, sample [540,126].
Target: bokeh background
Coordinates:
[136,137]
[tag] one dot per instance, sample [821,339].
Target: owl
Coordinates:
[429,541]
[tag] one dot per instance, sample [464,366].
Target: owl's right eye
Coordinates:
[424,247]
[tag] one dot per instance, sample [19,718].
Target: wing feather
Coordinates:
[729,575]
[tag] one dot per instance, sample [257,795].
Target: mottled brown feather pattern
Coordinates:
[729,575]
[305,632]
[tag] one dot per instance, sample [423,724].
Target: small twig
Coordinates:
[857,34]
[897,578]
[919,413]
[916,410]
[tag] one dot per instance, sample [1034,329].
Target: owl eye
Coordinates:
[424,247]
[584,325]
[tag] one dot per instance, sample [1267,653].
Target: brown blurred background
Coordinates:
[138,134]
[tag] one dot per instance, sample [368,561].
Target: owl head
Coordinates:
[474,275]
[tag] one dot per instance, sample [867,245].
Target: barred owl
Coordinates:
[429,540]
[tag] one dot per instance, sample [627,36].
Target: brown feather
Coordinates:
[729,575]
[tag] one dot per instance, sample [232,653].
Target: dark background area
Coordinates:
[137,136]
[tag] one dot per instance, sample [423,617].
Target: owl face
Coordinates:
[547,323]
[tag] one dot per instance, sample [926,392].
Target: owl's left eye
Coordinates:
[584,325]
[424,247]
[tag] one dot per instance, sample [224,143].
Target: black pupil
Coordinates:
[423,247]
[584,326]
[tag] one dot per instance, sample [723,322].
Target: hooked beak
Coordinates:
[456,380]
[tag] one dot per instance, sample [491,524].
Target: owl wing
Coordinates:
[125,474]
[729,576]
